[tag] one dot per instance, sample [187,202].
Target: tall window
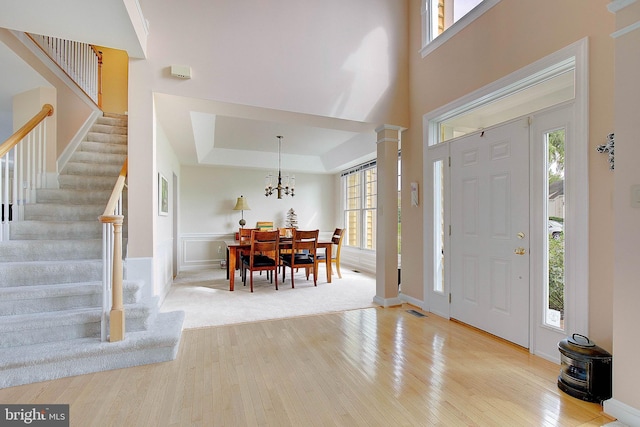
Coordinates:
[370,205]
[554,292]
[438,226]
[361,200]
[360,186]
[439,15]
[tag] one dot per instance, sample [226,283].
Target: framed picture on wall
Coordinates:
[163,195]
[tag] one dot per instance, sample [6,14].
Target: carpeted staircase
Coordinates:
[51,277]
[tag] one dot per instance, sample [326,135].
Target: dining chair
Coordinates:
[264,225]
[286,232]
[303,255]
[244,236]
[263,256]
[336,239]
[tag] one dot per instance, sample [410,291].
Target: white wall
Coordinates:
[6,125]
[208,195]
[344,59]
[167,164]
[625,404]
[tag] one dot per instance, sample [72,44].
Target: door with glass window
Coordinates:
[490,230]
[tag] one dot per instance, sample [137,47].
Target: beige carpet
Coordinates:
[205,298]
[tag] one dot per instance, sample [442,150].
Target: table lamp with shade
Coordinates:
[242,205]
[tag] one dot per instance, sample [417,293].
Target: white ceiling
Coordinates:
[99,22]
[217,133]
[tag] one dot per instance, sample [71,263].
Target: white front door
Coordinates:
[490,230]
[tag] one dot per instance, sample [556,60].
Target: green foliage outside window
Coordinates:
[556,274]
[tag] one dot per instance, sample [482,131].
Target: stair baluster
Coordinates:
[28,169]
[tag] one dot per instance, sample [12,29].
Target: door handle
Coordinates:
[520,251]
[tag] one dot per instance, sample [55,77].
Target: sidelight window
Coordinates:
[555,215]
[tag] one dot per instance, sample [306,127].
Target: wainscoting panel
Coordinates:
[357,259]
[199,251]
[202,250]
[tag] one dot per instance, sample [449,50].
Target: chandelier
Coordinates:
[288,188]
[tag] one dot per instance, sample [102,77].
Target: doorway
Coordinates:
[490,230]
[174,227]
[444,256]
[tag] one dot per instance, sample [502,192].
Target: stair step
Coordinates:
[29,329]
[113,120]
[51,291]
[51,230]
[98,158]
[44,272]
[22,300]
[108,129]
[62,212]
[48,361]
[24,330]
[103,142]
[92,169]
[73,196]
[84,182]
[50,250]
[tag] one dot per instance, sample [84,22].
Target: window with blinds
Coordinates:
[360,189]
[361,199]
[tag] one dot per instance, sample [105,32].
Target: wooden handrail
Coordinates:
[13,140]
[117,191]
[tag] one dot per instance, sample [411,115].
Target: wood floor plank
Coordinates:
[369,367]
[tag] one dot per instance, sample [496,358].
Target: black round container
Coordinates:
[585,370]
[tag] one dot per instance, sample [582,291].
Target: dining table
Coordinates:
[234,246]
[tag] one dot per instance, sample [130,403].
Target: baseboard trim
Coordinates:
[411,300]
[387,302]
[622,412]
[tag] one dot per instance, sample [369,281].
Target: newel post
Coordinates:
[116,315]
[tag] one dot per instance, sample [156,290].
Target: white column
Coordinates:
[387,217]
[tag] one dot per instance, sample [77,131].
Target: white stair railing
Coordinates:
[22,168]
[82,62]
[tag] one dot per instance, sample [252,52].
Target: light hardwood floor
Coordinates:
[369,367]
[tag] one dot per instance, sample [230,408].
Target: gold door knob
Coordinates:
[519,251]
